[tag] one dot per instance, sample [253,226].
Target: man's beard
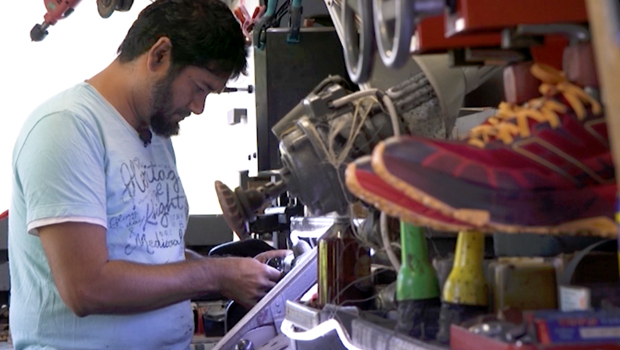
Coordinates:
[161,110]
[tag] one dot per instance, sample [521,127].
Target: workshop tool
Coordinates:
[247,22]
[263,321]
[417,288]
[465,293]
[249,89]
[60,9]
[56,10]
[404,14]
[107,7]
[388,27]
[358,54]
[328,129]
[295,22]
[240,207]
[251,248]
[260,27]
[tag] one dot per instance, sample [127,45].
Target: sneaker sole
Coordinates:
[594,226]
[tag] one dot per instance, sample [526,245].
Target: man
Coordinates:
[99,213]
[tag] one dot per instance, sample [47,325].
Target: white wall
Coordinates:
[76,49]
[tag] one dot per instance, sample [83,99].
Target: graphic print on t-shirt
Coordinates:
[156,202]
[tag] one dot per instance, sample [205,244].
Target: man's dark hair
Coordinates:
[204,33]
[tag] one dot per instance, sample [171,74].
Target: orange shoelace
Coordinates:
[512,120]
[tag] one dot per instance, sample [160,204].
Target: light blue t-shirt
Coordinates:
[77,159]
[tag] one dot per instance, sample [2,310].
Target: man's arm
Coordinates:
[90,283]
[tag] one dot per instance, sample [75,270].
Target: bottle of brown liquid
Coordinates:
[343,267]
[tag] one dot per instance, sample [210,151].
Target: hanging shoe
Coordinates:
[365,184]
[543,167]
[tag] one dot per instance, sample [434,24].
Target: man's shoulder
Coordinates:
[79,104]
[78,100]
[76,109]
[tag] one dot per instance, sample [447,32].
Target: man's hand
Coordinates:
[247,280]
[277,253]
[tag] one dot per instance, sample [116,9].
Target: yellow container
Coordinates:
[524,284]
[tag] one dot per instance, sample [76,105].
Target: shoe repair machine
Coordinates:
[414,62]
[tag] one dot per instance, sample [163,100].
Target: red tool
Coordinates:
[56,10]
[4,215]
[59,9]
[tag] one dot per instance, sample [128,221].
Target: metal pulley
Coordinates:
[107,7]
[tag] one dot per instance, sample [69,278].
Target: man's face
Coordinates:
[176,96]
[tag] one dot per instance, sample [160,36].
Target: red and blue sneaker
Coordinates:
[543,167]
